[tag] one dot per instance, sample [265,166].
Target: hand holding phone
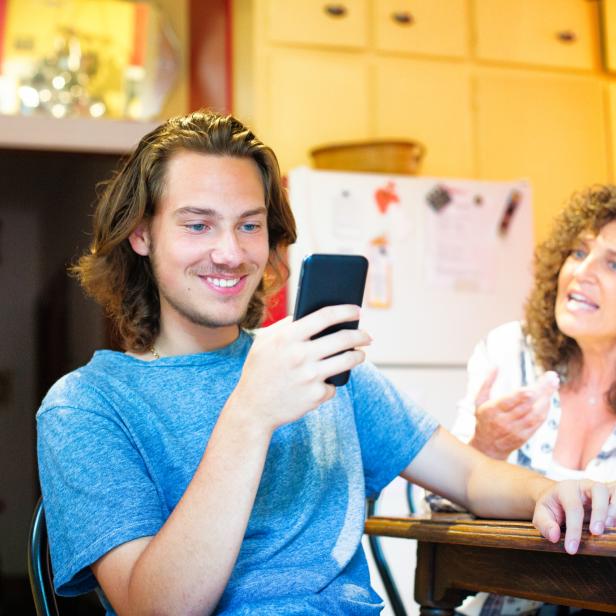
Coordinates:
[330,280]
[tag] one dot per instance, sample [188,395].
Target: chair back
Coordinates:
[39,565]
[382,566]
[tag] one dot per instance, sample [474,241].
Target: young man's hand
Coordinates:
[570,503]
[285,371]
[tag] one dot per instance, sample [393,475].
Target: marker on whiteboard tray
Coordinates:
[515,197]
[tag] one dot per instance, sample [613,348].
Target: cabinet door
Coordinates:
[545,127]
[421,26]
[608,21]
[309,98]
[552,33]
[611,87]
[323,22]
[430,102]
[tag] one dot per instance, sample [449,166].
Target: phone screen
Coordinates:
[330,280]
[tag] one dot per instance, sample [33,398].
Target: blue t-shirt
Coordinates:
[120,439]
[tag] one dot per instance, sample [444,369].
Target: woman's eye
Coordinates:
[578,253]
[612,265]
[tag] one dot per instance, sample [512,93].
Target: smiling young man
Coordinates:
[208,470]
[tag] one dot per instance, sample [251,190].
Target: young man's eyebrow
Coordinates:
[199,211]
[212,213]
[257,211]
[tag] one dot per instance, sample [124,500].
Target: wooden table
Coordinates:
[458,555]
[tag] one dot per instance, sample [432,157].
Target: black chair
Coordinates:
[39,565]
[382,567]
[380,561]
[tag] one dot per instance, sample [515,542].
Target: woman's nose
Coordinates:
[586,267]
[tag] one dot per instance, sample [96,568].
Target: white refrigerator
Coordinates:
[448,260]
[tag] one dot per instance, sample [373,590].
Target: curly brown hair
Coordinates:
[121,280]
[587,210]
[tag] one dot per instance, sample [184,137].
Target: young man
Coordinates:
[206,470]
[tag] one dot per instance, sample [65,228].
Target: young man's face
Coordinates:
[208,240]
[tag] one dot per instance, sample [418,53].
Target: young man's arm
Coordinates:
[184,568]
[492,488]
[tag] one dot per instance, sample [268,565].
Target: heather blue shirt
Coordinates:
[120,439]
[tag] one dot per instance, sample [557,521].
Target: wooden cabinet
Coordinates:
[421,27]
[559,34]
[309,99]
[544,126]
[314,79]
[608,22]
[495,89]
[329,23]
[611,88]
[430,102]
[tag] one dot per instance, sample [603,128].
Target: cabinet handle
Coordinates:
[335,10]
[403,18]
[566,36]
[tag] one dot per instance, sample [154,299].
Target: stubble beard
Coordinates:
[190,313]
[201,318]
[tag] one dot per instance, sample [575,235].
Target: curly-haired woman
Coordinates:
[514,408]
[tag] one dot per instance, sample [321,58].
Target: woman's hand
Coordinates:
[570,503]
[505,424]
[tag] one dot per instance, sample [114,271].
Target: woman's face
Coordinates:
[586,297]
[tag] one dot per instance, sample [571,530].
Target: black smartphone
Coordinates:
[330,280]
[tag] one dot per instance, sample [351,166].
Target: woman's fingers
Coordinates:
[484,391]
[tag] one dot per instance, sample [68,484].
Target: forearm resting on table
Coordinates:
[185,568]
[497,489]
[487,487]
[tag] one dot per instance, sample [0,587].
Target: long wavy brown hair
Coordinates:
[121,280]
[587,210]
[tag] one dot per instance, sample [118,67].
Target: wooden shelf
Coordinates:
[71,134]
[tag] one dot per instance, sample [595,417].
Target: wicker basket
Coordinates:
[400,157]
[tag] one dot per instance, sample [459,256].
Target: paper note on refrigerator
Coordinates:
[460,242]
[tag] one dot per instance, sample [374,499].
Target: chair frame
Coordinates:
[39,565]
[374,543]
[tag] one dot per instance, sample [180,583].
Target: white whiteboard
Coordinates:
[441,271]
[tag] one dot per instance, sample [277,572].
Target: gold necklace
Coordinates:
[154,352]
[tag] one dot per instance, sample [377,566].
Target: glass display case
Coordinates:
[114,59]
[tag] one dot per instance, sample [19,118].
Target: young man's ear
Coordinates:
[140,239]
